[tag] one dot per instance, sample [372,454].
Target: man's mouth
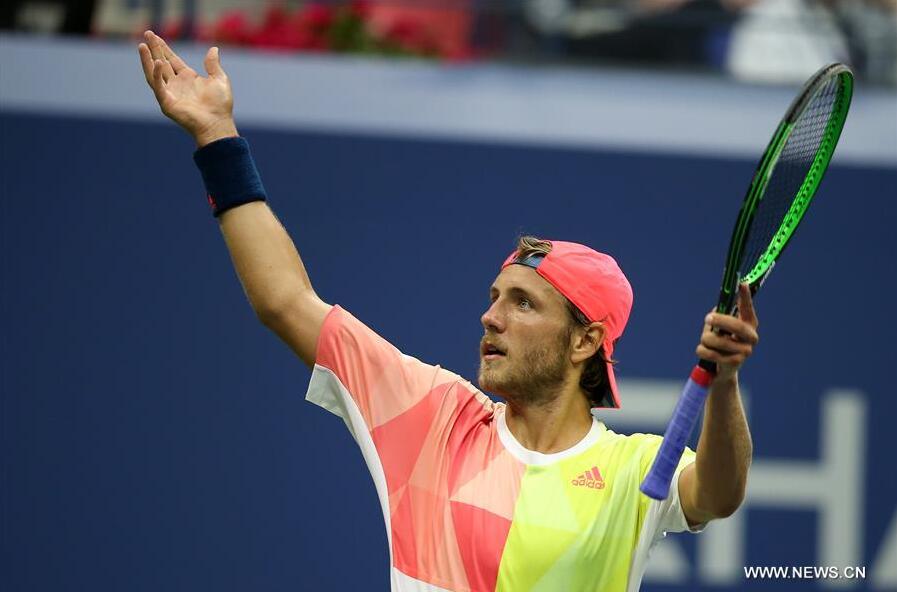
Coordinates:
[490,351]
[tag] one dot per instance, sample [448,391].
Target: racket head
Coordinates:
[786,179]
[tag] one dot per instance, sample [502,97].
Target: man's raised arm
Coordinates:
[264,256]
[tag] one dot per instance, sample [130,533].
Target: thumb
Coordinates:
[213,64]
[746,305]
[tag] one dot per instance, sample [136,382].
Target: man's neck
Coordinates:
[550,427]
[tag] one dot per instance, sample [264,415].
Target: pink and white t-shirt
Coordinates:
[467,508]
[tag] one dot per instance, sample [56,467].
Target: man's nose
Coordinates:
[492,319]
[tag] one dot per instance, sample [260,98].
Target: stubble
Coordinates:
[530,377]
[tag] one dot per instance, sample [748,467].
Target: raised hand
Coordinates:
[203,106]
[728,340]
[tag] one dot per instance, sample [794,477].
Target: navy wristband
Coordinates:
[229,174]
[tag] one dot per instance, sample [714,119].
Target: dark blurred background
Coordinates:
[769,40]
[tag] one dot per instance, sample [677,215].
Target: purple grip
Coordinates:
[657,484]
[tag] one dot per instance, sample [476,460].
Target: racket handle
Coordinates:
[657,483]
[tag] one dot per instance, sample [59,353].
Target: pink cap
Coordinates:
[595,284]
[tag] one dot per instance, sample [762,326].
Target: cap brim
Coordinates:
[611,398]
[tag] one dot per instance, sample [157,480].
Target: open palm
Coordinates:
[201,105]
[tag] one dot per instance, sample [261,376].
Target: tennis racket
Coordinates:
[777,200]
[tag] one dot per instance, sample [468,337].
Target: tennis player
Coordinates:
[531,494]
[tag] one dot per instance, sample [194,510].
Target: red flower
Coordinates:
[410,34]
[278,31]
[458,55]
[317,17]
[353,26]
[360,9]
[232,27]
[309,41]
[275,17]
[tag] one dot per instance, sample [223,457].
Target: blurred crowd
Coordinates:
[771,40]
[776,40]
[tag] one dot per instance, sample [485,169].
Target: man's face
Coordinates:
[524,354]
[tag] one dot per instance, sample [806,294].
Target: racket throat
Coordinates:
[759,283]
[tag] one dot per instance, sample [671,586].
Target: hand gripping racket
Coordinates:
[778,197]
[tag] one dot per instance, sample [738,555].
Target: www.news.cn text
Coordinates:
[803,572]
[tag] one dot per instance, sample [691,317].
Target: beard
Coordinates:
[532,377]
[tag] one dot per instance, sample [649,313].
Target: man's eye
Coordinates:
[524,304]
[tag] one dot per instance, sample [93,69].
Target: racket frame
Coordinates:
[691,402]
[834,126]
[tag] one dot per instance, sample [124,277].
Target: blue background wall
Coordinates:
[154,434]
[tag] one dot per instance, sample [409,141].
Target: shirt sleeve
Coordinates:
[356,367]
[404,414]
[656,518]
[663,516]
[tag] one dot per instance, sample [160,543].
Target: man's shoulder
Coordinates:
[611,437]
[634,445]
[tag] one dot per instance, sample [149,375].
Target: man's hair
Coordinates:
[594,376]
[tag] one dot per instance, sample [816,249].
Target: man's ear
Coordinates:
[586,341]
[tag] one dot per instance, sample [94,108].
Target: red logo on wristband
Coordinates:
[212,202]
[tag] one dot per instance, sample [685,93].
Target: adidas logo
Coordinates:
[591,479]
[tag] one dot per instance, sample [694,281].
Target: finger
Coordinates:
[146,60]
[710,355]
[734,326]
[213,64]
[158,80]
[165,70]
[155,45]
[726,345]
[746,305]
[177,63]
